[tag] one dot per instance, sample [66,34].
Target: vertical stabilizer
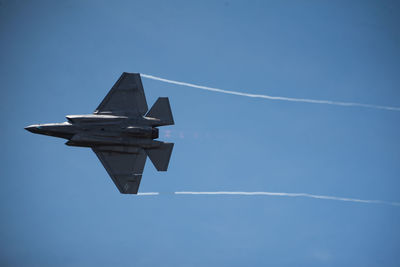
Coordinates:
[160,156]
[161,110]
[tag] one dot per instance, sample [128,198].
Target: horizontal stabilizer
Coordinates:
[161,111]
[160,156]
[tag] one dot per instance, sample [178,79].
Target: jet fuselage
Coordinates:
[102,130]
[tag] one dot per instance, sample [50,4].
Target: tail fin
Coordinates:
[161,111]
[160,156]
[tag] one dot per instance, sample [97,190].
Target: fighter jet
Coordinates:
[121,132]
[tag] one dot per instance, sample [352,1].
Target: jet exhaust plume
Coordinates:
[282,98]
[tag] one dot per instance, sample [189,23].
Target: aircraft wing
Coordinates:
[126,97]
[124,169]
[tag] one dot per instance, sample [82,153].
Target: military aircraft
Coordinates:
[121,132]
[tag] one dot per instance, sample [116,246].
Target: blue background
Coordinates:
[59,207]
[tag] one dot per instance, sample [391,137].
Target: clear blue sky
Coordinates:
[59,207]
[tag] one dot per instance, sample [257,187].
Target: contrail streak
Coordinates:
[282,98]
[279,194]
[148,194]
[288,195]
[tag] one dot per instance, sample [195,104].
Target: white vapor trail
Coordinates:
[282,98]
[288,195]
[148,194]
[279,194]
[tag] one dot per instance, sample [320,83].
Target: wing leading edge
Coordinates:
[126,97]
[124,169]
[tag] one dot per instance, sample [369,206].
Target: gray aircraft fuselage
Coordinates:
[106,132]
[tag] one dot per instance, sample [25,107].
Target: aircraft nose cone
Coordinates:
[32,128]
